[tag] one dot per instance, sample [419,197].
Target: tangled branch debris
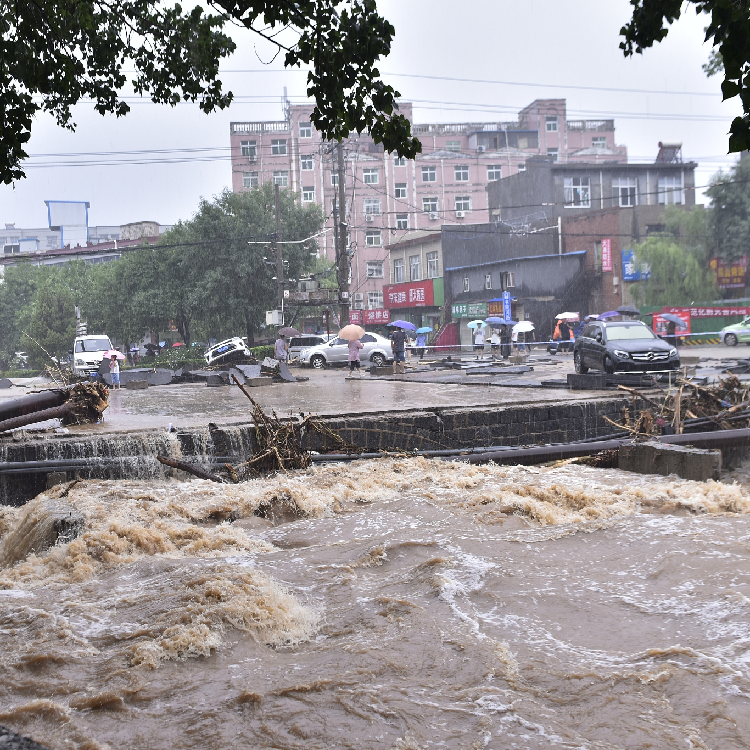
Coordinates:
[688,407]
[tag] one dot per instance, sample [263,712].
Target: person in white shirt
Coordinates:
[495,342]
[479,343]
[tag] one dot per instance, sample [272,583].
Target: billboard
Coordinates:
[411,294]
[729,274]
[606,255]
[375,317]
[632,270]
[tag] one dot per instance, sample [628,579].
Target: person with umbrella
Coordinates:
[398,346]
[114,367]
[505,337]
[564,329]
[353,333]
[281,348]
[422,340]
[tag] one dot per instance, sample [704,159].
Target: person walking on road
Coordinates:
[398,347]
[354,347]
[479,343]
[495,343]
[281,348]
[505,341]
[114,371]
[564,337]
[421,344]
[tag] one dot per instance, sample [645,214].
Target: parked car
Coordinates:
[732,335]
[227,349]
[629,346]
[377,349]
[306,341]
[88,353]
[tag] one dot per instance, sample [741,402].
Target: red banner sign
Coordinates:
[375,317]
[706,312]
[729,275]
[355,316]
[660,325]
[412,294]
[606,255]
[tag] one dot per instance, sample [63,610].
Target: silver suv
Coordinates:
[377,350]
[234,346]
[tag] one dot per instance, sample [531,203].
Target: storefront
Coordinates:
[419,302]
[463,313]
[371,320]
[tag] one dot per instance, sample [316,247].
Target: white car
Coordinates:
[307,340]
[225,348]
[88,353]
[377,350]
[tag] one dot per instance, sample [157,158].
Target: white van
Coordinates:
[88,353]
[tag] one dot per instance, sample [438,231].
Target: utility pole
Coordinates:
[343,252]
[279,256]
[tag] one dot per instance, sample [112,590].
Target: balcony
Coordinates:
[591,124]
[281,126]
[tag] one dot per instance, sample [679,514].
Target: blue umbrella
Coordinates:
[678,321]
[424,329]
[476,324]
[405,324]
[495,321]
[610,314]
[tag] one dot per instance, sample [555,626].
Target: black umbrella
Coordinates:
[628,310]
[678,321]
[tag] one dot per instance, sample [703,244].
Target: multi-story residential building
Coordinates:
[388,196]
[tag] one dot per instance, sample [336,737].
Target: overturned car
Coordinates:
[229,350]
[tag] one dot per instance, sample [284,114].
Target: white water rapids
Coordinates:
[400,604]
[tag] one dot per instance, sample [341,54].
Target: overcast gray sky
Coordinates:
[532,48]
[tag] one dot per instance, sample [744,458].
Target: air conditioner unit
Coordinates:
[460,214]
[480,149]
[433,217]
[358,296]
[369,217]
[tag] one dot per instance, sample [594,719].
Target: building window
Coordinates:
[373,238]
[599,141]
[334,178]
[430,205]
[401,190]
[670,190]
[494,172]
[553,153]
[429,174]
[278,146]
[577,192]
[306,163]
[461,173]
[488,281]
[415,268]
[308,194]
[374,269]
[551,123]
[249,149]
[371,176]
[399,161]
[375,300]
[398,271]
[402,221]
[305,130]
[463,203]
[453,145]
[372,206]
[432,265]
[249,179]
[281,178]
[626,191]
[521,167]
[467,286]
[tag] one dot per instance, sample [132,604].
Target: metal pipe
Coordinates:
[544,453]
[57,412]
[17,407]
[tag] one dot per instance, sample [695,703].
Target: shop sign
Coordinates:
[606,255]
[469,310]
[729,275]
[706,312]
[355,316]
[632,270]
[375,317]
[412,294]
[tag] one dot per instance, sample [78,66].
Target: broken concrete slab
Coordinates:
[257,382]
[285,373]
[217,379]
[5,383]
[589,382]
[659,458]
[248,371]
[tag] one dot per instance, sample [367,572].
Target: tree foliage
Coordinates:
[729,222]
[729,33]
[677,260]
[54,53]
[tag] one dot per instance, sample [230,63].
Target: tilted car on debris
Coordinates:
[624,346]
[227,349]
[377,349]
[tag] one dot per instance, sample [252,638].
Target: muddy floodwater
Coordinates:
[385,604]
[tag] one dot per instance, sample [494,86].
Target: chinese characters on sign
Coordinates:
[729,275]
[469,310]
[632,270]
[355,316]
[375,317]
[660,325]
[706,312]
[411,294]
[606,255]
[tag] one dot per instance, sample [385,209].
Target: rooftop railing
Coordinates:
[279,126]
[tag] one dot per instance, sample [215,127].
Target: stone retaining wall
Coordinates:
[133,455]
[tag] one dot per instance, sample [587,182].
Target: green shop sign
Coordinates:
[469,310]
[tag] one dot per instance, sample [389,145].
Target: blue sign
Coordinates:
[632,270]
[506,306]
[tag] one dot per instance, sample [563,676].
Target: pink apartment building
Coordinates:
[388,196]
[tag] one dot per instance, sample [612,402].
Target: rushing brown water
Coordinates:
[395,604]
